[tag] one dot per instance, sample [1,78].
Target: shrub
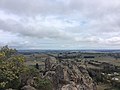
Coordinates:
[43,84]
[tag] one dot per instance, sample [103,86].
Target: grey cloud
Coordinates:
[95,22]
[32,7]
[38,31]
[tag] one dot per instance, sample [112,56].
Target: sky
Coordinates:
[60,24]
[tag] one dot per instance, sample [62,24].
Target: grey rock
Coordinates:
[67,78]
[28,87]
[47,64]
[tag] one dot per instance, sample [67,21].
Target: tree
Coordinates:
[7,51]
[14,74]
[10,68]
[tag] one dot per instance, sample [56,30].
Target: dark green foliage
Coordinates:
[14,74]
[43,84]
[7,51]
[10,68]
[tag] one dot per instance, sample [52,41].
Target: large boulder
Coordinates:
[67,78]
[10,89]
[28,87]
[71,86]
[47,64]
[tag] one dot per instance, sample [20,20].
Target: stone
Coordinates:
[10,89]
[47,64]
[67,78]
[28,87]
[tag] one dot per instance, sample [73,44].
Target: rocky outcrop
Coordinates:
[69,75]
[47,64]
[10,89]
[28,87]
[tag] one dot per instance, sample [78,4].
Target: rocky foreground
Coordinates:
[68,75]
[55,74]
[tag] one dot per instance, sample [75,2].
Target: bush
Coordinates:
[14,74]
[10,68]
[43,84]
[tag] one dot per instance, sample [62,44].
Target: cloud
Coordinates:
[61,23]
[39,29]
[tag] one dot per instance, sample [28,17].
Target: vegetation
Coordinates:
[14,74]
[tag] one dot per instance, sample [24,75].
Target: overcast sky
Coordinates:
[60,24]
